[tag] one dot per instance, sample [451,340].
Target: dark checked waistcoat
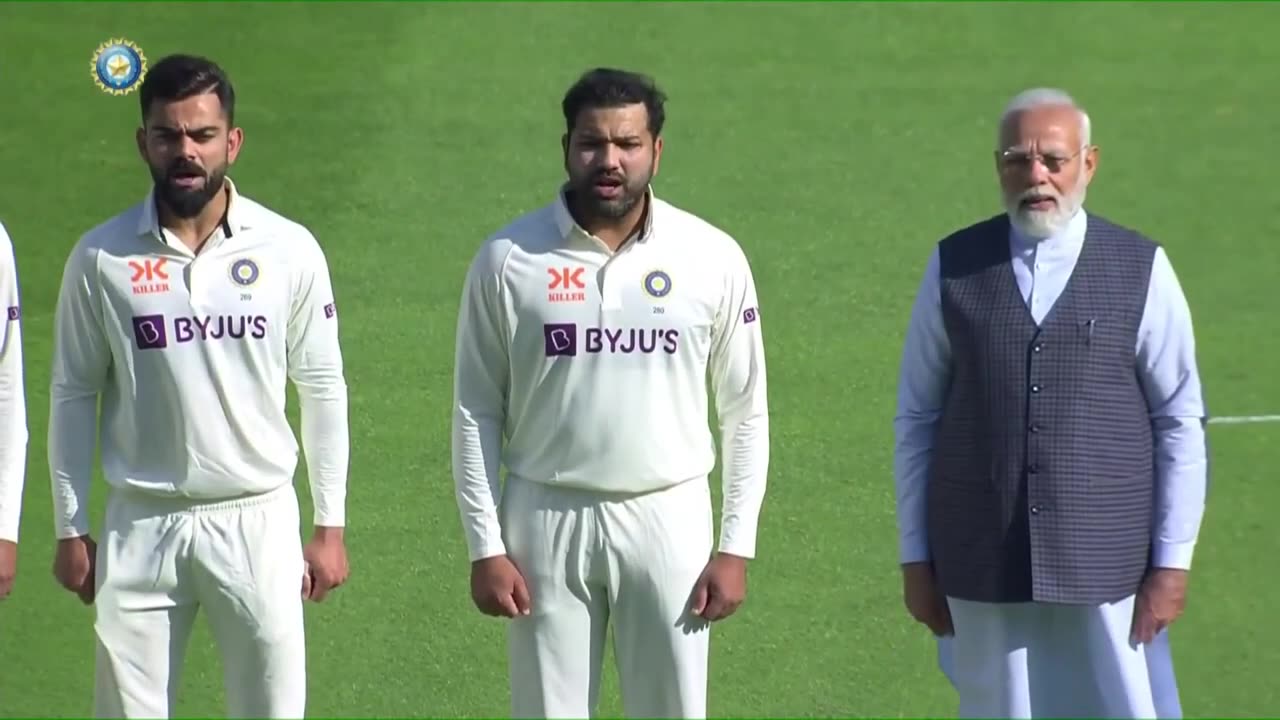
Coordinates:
[1041,482]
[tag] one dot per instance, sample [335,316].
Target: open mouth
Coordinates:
[1039,202]
[608,187]
[187,179]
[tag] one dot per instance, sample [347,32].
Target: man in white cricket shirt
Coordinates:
[13,415]
[186,315]
[586,333]
[1050,461]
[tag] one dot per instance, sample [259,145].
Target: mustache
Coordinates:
[183,167]
[1037,194]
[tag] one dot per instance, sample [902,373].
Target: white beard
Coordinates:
[1040,224]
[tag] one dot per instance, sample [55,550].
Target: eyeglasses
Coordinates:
[1021,159]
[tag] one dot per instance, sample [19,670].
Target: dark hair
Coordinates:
[178,77]
[611,88]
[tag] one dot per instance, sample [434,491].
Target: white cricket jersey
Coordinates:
[593,367]
[191,354]
[13,408]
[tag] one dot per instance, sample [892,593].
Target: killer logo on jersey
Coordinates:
[244,272]
[15,312]
[153,332]
[657,284]
[566,285]
[149,276]
[562,340]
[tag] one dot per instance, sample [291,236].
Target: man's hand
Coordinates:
[75,565]
[721,588]
[8,566]
[1160,601]
[923,599]
[498,588]
[326,557]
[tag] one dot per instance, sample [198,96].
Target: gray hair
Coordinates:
[1042,97]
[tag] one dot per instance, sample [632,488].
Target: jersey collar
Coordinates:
[233,221]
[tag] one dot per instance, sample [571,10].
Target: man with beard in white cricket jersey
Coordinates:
[187,315]
[586,334]
[13,415]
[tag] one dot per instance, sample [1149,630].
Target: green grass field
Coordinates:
[836,141]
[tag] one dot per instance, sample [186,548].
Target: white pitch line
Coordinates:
[1241,419]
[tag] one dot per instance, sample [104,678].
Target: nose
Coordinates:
[1039,172]
[187,146]
[610,156]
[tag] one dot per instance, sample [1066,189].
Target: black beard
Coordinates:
[595,207]
[609,209]
[186,203]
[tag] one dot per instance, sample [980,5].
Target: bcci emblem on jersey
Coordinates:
[244,272]
[657,284]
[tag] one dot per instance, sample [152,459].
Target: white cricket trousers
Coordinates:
[591,559]
[1040,660]
[159,561]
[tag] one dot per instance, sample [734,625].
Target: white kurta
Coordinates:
[993,658]
[1011,661]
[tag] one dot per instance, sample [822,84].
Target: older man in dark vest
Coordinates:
[1050,456]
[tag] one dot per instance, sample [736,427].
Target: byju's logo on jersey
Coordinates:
[562,340]
[153,332]
[149,332]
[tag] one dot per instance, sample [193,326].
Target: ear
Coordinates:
[235,139]
[1091,162]
[140,137]
[564,151]
[657,155]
